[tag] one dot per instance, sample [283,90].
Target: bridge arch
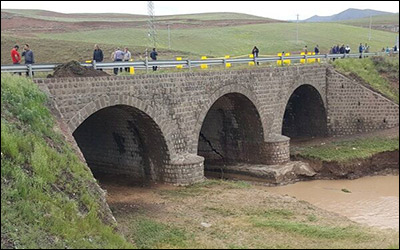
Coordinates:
[231,129]
[121,135]
[305,113]
[225,90]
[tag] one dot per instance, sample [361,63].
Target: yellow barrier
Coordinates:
[179,66]
[310,60]
[131,69]
[287,61]
[204,66]
[302,60]
[279,62]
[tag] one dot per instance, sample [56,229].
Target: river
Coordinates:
[373,201]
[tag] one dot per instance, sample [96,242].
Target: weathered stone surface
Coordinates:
[273,174]
[142,125]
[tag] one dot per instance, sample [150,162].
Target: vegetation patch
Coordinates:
[343,151]
[49,199]
[379,73]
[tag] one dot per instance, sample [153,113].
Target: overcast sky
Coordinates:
[284,10]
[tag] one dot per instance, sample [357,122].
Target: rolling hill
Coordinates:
[348,14]
[192,36]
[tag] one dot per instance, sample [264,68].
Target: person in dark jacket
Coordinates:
[28,55]
[98,54]
[255,52]
[316,50]
[342,49]
[361,49]
[153,56]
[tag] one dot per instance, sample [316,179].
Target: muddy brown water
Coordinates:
[373,201]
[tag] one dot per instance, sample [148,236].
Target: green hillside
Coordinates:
[49,198]
[376,20]
[116,17]
[270,38]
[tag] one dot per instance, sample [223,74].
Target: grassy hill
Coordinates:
[192,36]
[376,20]
[49,198]
[270,38]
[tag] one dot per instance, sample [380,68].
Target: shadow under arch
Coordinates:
[231,131]
[123,140]
[305,114]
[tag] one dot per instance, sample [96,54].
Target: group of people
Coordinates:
[27,54]
[120,56]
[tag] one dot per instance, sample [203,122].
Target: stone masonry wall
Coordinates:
[353,108]
[178,103]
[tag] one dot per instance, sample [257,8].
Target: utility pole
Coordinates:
[297,32]
[370,28]
[169,37]
[151,24]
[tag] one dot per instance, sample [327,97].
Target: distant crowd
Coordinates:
[119,55]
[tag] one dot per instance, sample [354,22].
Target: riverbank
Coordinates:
[229,214]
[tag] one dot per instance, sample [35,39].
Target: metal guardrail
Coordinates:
[188,64]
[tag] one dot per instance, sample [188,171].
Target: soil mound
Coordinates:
[74,69]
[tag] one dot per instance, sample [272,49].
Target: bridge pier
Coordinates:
[276,150]
[184,169]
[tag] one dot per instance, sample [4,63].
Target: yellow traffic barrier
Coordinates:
[279,62]
[179,66]
[204,66]
[302,61]
[287,61]
[131,69]
[309,60]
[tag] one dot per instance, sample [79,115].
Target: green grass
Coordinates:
[238,40]
[373,72]
[349,150]
[150,234]
[48,196]
[312,231]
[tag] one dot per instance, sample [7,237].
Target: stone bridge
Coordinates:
[165,127]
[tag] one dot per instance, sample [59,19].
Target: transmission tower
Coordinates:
[151,24]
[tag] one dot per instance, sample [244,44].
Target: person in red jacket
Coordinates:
[15,56]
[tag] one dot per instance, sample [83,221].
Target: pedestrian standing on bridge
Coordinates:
[98,54]
[347,49]
[153,56]
[360,50]
[28,55]
[305,50]
[316,49]
[118,57]
[15,56]
[255,52]
[127,58]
